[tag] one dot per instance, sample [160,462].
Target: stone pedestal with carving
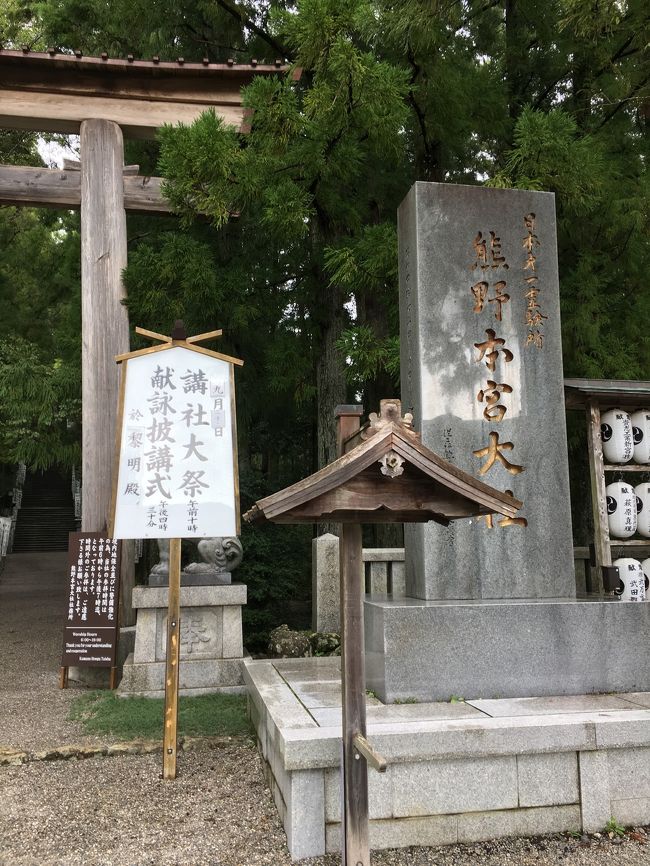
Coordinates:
[211,641]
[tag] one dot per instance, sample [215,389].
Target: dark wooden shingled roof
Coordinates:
[419,486]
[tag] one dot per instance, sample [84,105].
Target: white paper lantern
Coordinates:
[641,435]
[642,493]
[621,509]
[632,578]
[616,433]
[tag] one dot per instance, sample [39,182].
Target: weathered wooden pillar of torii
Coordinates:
[103,99]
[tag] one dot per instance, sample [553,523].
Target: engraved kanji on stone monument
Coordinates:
[482,369]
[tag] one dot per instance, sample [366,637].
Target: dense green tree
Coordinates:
[295,251]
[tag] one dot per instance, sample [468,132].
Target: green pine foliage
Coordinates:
[287,236]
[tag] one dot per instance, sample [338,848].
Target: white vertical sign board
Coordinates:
[177,463]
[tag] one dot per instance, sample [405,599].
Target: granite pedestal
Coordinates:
[431,650]
[211,649]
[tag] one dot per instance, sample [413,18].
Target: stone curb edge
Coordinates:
[16,757]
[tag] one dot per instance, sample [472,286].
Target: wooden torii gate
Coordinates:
[104,99]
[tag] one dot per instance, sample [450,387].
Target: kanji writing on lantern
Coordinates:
[489,350]
[493,454]
[177,477]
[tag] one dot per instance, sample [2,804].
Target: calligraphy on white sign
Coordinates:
[177,473]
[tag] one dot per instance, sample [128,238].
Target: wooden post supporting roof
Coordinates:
[105,320]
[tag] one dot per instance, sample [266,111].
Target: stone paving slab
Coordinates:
[512,707]
[404,713]
[640,698]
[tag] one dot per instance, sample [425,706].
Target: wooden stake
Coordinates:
[172,660]
[598,496]
[355,846]
[63,678]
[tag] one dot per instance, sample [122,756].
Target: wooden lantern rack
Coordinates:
[594,396]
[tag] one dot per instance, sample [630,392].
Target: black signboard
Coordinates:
[90,635]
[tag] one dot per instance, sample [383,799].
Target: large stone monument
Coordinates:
[491,607]
[482,371]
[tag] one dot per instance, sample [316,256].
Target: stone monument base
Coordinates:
[212,650]
[457,772]
[433,650]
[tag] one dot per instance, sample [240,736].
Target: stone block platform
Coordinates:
[211,649]
[430,650]
[458,772]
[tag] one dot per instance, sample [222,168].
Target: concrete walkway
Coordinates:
[33,710]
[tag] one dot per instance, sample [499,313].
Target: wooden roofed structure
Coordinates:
[383,474]
[386,475]
[579,393]
[594,396]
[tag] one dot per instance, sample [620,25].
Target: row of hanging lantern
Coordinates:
[626,437]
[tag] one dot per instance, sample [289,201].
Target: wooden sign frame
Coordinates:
[178,339]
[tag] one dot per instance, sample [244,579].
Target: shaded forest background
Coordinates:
[550,95]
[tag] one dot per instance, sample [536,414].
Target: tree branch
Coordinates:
[622,103]
[241,16]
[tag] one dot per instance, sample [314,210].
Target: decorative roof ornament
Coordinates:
[390,412]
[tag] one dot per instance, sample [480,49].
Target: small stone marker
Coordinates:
[482,371]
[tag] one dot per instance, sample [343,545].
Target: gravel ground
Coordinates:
[116,811]
[33,709]
[218,812]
